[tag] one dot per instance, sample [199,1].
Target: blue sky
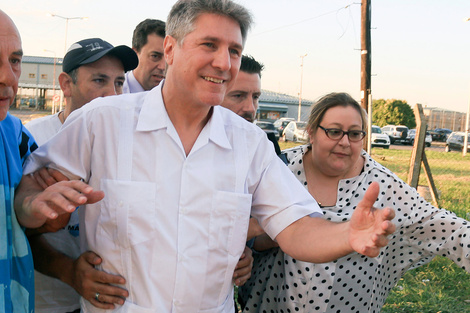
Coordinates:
[420,49]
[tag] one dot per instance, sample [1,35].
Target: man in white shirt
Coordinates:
[181,176]
[92,68]
[147,42]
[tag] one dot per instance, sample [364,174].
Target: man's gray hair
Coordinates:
[184,13]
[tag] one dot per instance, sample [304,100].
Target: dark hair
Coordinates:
[329,101]
[250,65]
[145,28]
[73,75]
[184,13]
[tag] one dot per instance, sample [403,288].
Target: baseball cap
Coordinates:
[90,50]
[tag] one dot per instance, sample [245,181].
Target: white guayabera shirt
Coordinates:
[173,225]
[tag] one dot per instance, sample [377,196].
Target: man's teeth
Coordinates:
[214,80]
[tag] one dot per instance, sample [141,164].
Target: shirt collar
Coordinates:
[153,116]
[216,125]
[134,85]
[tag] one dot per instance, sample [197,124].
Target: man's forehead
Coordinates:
[205,18]
[152,38]
[9,33]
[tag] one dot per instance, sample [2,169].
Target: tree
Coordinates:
[392,112]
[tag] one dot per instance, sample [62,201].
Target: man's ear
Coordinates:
[169,45]
[136,52]
[66,83]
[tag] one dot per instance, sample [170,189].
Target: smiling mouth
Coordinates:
[213,80]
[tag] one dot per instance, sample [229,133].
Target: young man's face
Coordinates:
[204,66]
[242,98]
[151,69]
[10,63]
[102,78]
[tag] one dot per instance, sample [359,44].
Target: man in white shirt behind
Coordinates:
[181,176]
[92,68]
[147,42]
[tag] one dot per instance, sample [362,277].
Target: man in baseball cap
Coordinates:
[91,68]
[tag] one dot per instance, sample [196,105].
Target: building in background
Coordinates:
[274,105]
[39,83]
[442,118]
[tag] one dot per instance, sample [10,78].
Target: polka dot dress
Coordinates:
[356,283]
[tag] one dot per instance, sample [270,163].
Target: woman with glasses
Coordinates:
[336,171]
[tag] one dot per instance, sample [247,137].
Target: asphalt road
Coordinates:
[435,146]
[27,115]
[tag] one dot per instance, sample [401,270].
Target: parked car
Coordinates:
[440,134]
[281,124]
[456,141]
[396,133]
[295,131]
[268,127]
[379,139]
[411,138]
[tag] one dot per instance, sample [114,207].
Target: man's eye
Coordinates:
[209,44]
[156,57]
[15,61]
[235,52]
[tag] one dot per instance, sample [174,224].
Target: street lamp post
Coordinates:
[301,76]
[67,25]
[65,43]
[465,142]
[53,81]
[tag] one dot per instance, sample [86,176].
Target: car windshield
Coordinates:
[400,129]
[265,125]
[301,125]
[376,130]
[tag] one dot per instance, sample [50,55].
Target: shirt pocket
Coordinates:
[128,212]
[230,215]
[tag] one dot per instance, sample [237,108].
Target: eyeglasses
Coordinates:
[337,134]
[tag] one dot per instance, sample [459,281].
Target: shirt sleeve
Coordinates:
[279,199]
[68,151]
[27,144]
[429,230]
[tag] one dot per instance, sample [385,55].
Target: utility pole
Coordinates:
[301,77]
[366,66]
[365,54]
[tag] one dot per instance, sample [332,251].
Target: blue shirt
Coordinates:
[16,262]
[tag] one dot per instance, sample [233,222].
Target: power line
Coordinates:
[305,20]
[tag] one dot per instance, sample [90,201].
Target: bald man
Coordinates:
[16,143]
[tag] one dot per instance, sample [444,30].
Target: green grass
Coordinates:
[440,286]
